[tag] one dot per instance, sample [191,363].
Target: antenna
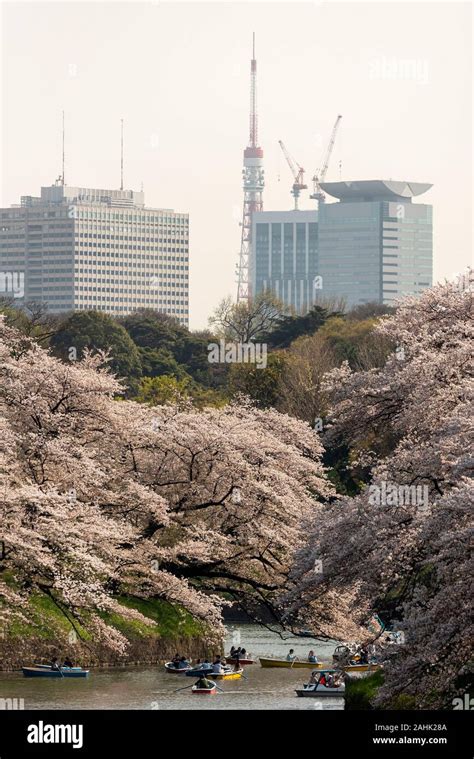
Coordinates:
[121,154]
[62,174]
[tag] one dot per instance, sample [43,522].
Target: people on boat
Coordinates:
[68,662]
[55,663]
[206,664]
[175,660]
[217,667]
[291,656]
[337,680]
[364,655]
[313,680]
[203,682]
[322,679]
[312,657]
[183,663]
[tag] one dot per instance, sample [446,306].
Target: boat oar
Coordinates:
[185,687]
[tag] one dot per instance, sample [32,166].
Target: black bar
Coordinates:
[335,734]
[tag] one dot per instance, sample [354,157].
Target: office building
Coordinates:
[77,248]
[285,256]
[374,244]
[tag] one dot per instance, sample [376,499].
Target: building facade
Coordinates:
[77,248]
[285,257]
[374,244]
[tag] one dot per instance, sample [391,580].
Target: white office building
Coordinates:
[77,248]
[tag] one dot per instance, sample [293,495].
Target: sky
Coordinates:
[178,74]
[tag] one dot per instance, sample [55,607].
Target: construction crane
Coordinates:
[298,174]
[320,175]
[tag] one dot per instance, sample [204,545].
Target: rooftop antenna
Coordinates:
[62,174]
[121,154]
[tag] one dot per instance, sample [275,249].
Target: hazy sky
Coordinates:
[178,73]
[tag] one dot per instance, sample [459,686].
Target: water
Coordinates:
[153,688]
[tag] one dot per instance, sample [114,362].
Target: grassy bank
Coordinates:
[361,692]
[48,631]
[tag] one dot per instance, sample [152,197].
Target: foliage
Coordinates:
[97,331]
[289,327]
[246,321]
[411,551]
[102,499]
[262,385]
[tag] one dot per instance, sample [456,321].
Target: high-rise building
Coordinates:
[285,257]
[77,248]
[374,244]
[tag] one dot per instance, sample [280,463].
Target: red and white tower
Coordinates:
[253,184]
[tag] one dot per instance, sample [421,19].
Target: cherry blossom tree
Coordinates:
[102,497]
[401,547]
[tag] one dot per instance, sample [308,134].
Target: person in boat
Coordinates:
[312,657]
[217,667]
[55,664]
[203,682]
[322,679]
[330,680]
[291,656]
[183,663]
[68,662]
[175,660]
[233,651]
[364,655]
[337,680]
[206,664]
[314,679]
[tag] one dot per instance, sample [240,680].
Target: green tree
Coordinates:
[289,327]
[262,385]
[156,391]
[98,331]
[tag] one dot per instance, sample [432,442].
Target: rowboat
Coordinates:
[196,690]
[234,674]
[231,660]
[315,690]
[170,667]
[43,672]
[63,669]
[318,689]
[296,664]
[199,672]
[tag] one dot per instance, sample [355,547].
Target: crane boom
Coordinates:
[321,173]
[298,174]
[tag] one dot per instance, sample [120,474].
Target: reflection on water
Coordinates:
[152,688]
